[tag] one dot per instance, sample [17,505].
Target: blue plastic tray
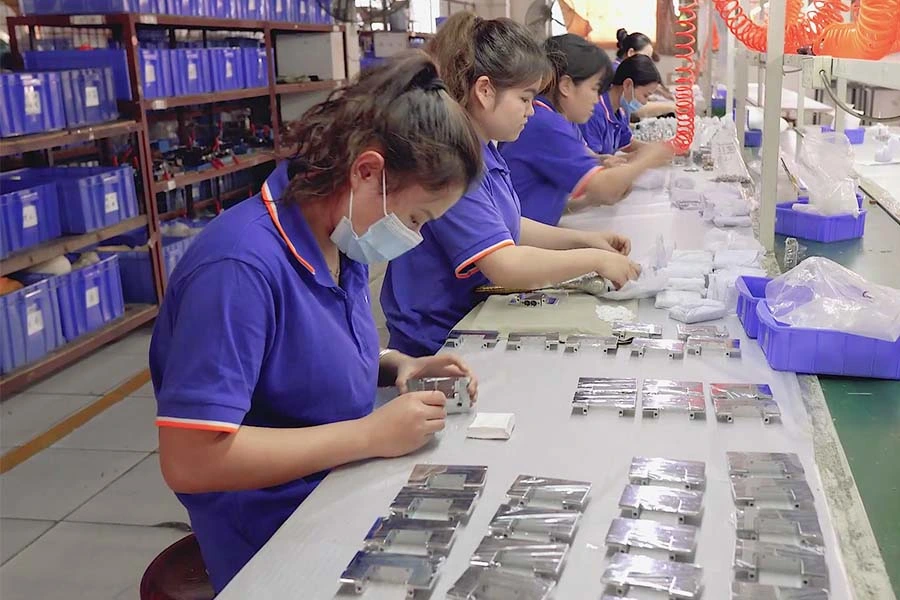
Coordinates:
[55,60]
[156,73]
[30,103]
[30,325]
[750,291]
[823,352]
[89,96]
[227,69]
[818,228]
[190,71]
[75,7]
[753,138]
[856,136]
[29,215]
[256,67]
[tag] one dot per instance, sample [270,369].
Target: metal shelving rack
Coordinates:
[136,117]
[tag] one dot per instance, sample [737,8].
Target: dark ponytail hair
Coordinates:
[574,56]
[468,47]
[639,69]
[631,41]
[401,109]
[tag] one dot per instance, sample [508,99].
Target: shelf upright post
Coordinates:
[742,66]
[269,39]
[771,123]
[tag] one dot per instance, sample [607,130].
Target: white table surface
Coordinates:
[305,558]
[788,100]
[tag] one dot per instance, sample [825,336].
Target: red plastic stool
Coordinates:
[178,573]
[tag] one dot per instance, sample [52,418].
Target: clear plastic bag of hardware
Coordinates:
[826,165]
[821,294]
[726,151]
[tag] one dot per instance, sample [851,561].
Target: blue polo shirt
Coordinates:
[253,331]
[608,130]
[549,163]
[428,290]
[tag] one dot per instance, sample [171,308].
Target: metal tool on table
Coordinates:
[456,390]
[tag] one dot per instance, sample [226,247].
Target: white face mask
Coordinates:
[385,240]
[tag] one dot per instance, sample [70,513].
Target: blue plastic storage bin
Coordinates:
[856,136]
[818,228]
[30,325]
[55,60]
[156,73]
[29,213]
[279,10]
[89,96]
[753,138]
[227,69]
[254,10]
[823,352]
[256,67]
[190,71]
[750,291]
[30,103]
[137,275]
[76,7]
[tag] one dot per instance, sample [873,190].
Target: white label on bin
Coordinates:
[279,6]
[32,101]
[192,71]
[91,96]
[92,297]
[149,73]
[111,202]
[229,70]
[251,4]
[29,216]
[34,320]
[303,8]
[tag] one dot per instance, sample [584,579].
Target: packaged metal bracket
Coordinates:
[625,331]
[536,558]
[515,340]
[639,499]
[533,299]
[427,503]
[730,347]
[601,392]
[676,542]
[687,474]
[546,492]
[686,331]
[448,477]
[802,525]
[772,493]
[579,343]
[417,573]
[456,389]
[741,590]
[663,395]
[727,410]
[535,524]
[427,537]
[773,465]
[741,391]
[678,580]
[674,348]
[750,558]
[457,337]
[481,583]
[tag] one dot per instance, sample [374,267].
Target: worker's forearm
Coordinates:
[539,235]
[525,267]
[388,365]
[257,457]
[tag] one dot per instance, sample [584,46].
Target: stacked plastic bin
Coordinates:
[29,214]
[30,103]
[31,326]
[299,11]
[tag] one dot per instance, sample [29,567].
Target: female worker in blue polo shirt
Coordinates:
[265,356]
[551,168]
[608,130]
[494,68]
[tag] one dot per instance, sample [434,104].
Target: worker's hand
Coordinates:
[609,241]
[440,365]
[404,424]
[657,154]
[612,162]
[618,268]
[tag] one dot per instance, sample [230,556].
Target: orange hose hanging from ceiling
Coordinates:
[684,83]
[800,30]
[872,36]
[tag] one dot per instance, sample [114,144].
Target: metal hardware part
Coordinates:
[601,392]
[417,573]
[741,391]
[741,590]
[546,492]
[678,580]
[662,395]
[577,343]
[727,410]
[515,340]
[536,558]
[624,330]
[731,347]
[752,557]
[639,499]
[688,474]
[678,542]
[772,493]
[427,503]
[448,477]
[456,389]
[533,299]
[428,537]
[674,348]
[457,337]
[776,465]
[803,525]
[535,524]
[481,583]
[686,331]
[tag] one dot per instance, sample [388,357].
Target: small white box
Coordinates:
[492,426]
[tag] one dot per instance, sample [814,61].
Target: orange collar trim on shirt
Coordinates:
[606,109]
[542,105]
[273,213]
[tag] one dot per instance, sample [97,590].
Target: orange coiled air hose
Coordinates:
[871,37]
[684,83]
[801,30]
